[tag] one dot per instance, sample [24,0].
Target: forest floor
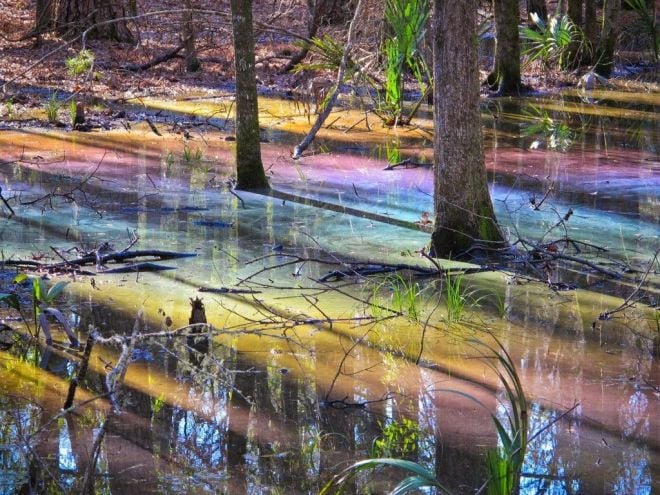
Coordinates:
[33,70]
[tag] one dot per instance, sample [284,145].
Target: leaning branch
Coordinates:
[334,92]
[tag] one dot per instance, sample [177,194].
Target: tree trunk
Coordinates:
[538,7]
[249,168]
[505,78]
[590,22]
[575,57]
[608,35]
[463,208]
[75,16]
[188,32]
[45,16]
[575,12]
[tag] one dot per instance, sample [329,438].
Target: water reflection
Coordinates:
[251,414]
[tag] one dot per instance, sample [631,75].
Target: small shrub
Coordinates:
[81,63]
[552,43]
[10,110]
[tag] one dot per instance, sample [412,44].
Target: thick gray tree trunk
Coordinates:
[249,168]
[505,78]
[463,208]
[75,16]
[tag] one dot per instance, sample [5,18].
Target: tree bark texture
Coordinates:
[188,34]
[75,16]
[249,167]
[575,57]
[575,12]
[505,78]
[44,15]
[590,21]
[463,208]
[608,35]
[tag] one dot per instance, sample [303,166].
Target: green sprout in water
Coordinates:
[157,403]
[73,110]
[192,156]
[52,107]
[458,298]
[403,297]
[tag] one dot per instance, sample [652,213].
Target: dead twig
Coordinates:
[628,302]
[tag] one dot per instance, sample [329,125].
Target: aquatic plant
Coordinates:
[550,132]
[457,297]
[169,160]
[73,111]
[504,463]
[403,297]
[498,301]
[82,62]
[397,439]
[52,107]
[42,307]
[418,477]
[192,156]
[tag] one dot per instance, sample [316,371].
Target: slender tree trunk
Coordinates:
[538,7]
[249,167]
[188,32]
[575,57]
[590,22]
[608,35]
[75,16]
[505,77]
[463,208]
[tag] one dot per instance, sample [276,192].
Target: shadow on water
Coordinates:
[303,378]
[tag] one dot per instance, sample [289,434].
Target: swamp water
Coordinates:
[309,376]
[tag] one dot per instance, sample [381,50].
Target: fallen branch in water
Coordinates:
[121,256]
[227,290]
[407,163]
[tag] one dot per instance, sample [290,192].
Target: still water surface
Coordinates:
[308,375]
